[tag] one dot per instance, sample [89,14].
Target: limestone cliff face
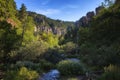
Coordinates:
[85,20]
[98,9]
[90,15]
[54,30]
[45,24]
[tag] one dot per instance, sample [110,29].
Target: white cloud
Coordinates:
[48,11]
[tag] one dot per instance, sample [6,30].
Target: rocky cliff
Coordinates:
[45,24]
[85,20]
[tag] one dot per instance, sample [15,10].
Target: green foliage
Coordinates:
[53,55]
[112,68]
[99,44]
[41,66]
[32,51]
[7,9]
[23,13]
[51,39]
[99,57]
[29,31]
[70,48]
[108,3]
[67,67]
[112,72]
[22,74]
[9,39]
[46,65]
[71,34]
[27,27]
[83,35]
[29,65]
[8,36]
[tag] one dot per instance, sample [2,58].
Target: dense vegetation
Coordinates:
[31,44]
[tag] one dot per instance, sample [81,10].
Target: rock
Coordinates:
[84,21]
[98,9]
[90,15]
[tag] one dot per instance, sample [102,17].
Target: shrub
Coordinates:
[29,65]
[28,74]
[112,72]
[46,66]
[22,74]
[112,68]
[43,65]
[53,56]
[68,67]
[32,51]
[70,47]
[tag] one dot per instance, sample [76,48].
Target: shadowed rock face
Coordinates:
[98,9]
[84,21]
[90,15]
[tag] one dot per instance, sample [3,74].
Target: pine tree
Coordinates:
[23,13]
[23,18]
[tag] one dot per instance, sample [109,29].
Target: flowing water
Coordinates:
[52,75]
[55,74]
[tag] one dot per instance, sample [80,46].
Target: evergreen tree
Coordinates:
[23,18]
[23,13]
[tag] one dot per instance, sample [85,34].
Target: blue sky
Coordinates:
[67,10]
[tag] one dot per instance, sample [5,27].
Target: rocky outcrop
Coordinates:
[11,21]
[90,15]
[54,30]
[98,9]
[84,21]
[45,24]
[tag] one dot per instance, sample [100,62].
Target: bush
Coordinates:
[46,66]
[69,47]
[40,67]
[29,65]
[112,72]
[22,74]
[32,51]
[53,55]
[68,67]
[112,68]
